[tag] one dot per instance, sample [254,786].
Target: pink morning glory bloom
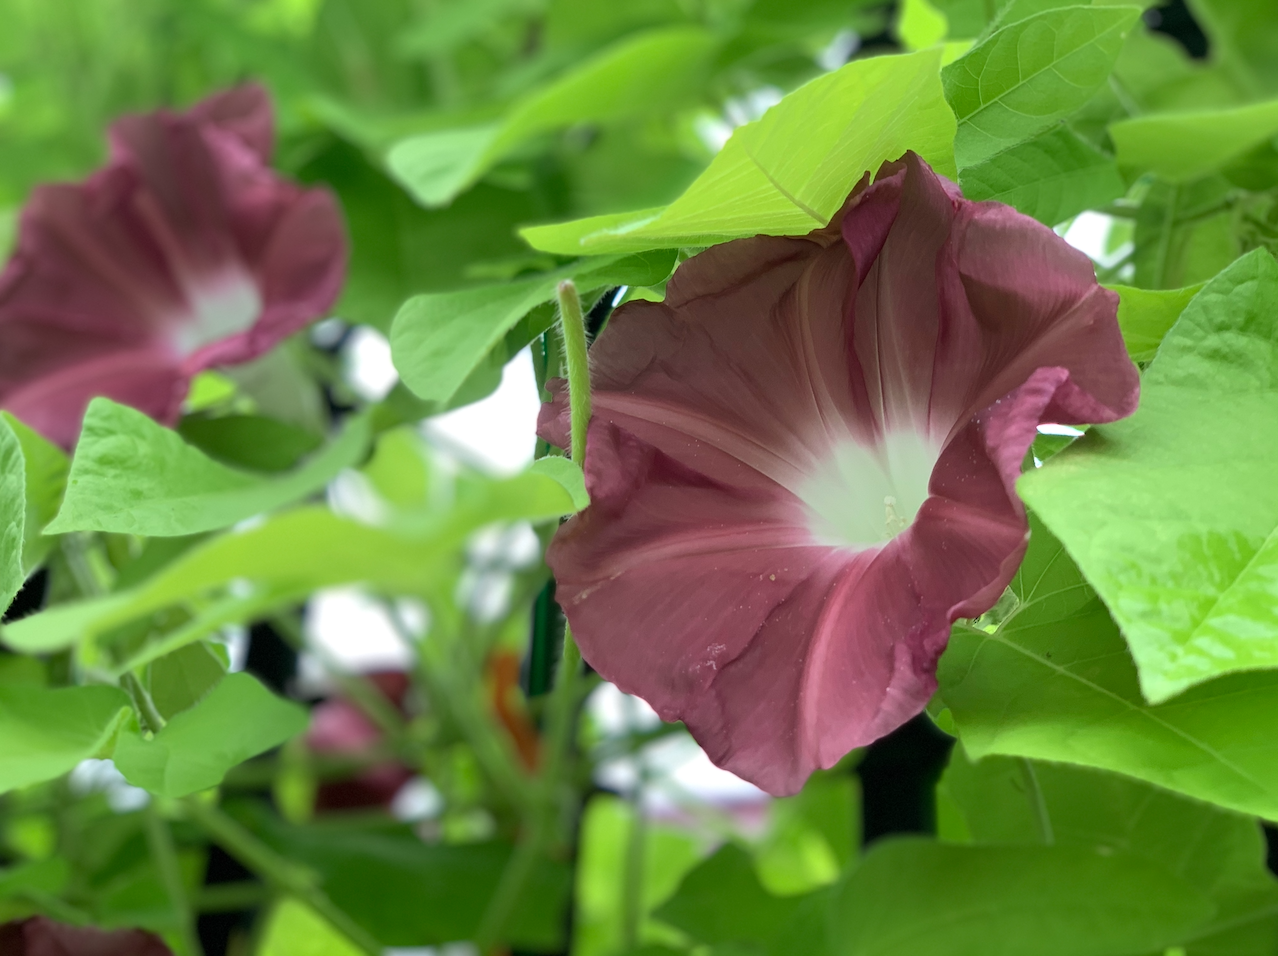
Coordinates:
[41,936]
[802,465]
[185,251]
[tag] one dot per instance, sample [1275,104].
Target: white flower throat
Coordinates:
[862,496]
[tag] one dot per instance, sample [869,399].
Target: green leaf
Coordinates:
[46,480]
[254,442]
[1007,801]
[919,25]
[811,836]
[1243,35]
[1182,146]
[45,733]
[1055,681]
[567,473]
[1147,315]
[722,901]
[911,895]
[1180,533]
[13,514]
[650,73]
[399,249]
[48,876]
[1031,73]
[295,930]
[182,678]
[296,552]
[1053,177]
[407,892]
[439,339]
[599,902]
[789,172]
[237,720]
[1185,233]
[131,475]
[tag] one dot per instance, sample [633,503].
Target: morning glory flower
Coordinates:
[41,936]
[184,252]
[802,464]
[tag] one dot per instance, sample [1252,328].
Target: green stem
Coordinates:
[540,822]
[1109,273]
[1163,252]
[228,897]
[1037,803]
[142,701]
[454,700]
[632,877]
[160,841]
[574,327]
[281,873]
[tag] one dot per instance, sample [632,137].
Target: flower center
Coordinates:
[219,309]
[864,495]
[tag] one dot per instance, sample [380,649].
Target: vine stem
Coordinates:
[285,876]
[540,823]
[574,326]
[159,840]
[146,706]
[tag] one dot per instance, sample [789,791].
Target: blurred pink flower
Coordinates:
[41,936]
[340,728]
[183,252]
[802,465]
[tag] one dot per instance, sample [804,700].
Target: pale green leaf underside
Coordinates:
[1056,682]
[131,475]
[1182,146]
[1178,535]
[789,172]
[236,720]
[45,733]
[1031,73]
[567,473]
[1147,315]
[1051,178]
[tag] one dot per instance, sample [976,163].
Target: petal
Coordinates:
[86,264]
[689,567]
[1022,299]
[741,367]
[301,270]
[185,244]
[244,112]
[916,321]
[1008,296]
[44,937]
[779,656]
[147,379]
